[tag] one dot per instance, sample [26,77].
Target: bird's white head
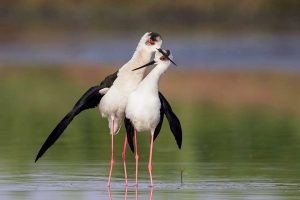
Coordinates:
[148,44]
[150,41]
[162,56]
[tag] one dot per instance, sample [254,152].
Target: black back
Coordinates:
[90,99]
[173,120]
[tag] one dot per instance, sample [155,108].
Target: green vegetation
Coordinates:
[33,100]
[158,14]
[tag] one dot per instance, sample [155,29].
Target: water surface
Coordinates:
[89,181]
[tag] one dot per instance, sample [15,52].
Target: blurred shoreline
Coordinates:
[218,51]
[236,89]
[220,34]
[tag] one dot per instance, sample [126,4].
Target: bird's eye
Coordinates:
[163,58]
[151,42]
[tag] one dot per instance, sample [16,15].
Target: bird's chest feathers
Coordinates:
[145,97]
[127,84]
[143,109]
[148,102]
[115,100]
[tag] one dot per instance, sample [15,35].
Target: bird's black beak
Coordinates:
[146,65]
[166,55]
[172,61]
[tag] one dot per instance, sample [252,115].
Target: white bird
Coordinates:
[146,108]
[111,96]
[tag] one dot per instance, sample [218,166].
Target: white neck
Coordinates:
[152,79]
[141,56]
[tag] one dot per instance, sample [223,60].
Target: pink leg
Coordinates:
[136,192]
[151,193]
[136,158]
[112,153]
[124,159]
[125,194]
[150,161]
[109,193]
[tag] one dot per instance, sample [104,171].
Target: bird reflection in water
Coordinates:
[136,192]
[151,193]
[109,193]
[126,191]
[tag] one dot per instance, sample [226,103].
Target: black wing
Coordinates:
[174,122]
[130,132]
[90,99]
[158,127]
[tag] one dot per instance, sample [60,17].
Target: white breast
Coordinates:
[143,110]
[143,107]
[113,103]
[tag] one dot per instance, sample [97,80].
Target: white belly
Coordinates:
[113,104]
[143,111]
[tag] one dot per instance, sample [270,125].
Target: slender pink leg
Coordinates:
[124,159]
[109,193]
[125,194]
[112,153]
[150,161]
[136,158]
[136,192]
[151,193]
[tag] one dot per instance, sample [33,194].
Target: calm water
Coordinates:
[56,181]
[214,51]
[77,169]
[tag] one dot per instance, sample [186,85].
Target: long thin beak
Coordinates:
[172,61]
[146,65]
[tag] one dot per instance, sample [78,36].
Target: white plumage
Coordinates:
[113,103]
[110,96]
[143,107]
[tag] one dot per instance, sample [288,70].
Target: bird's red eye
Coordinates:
[152,42]
[163,58]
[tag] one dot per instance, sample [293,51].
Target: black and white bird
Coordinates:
[111,95]
[146,108]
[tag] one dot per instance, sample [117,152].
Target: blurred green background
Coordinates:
[232,112]
[183,16]
[236,90]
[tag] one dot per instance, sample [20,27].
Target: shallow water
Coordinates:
[212,167]
[48,180]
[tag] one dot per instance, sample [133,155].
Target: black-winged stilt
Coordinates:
[146,108]
[111,96]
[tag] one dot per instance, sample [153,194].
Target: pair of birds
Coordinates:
[125,94]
